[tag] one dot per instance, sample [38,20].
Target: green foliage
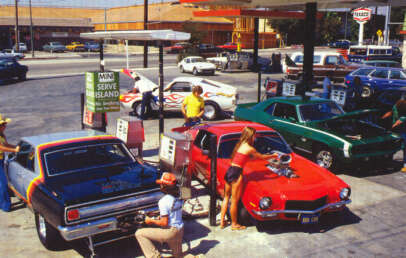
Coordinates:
[196,33]
[190,51]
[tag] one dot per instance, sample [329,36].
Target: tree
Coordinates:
[197,34]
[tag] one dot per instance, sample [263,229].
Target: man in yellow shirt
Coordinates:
[193,107]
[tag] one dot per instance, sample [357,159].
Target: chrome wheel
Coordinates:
[42,226]
[324,159]
[366,92]
[210,112]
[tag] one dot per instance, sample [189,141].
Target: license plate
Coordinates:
[309,218]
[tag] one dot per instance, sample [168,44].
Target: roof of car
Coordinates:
[297,100]
[61,136]
[221,128]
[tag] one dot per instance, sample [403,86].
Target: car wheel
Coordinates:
[182,70]
[195,71]
[213,72]
[210,110]
[366,92]
[324,157]
[47,234]
[244,218]
[137,108]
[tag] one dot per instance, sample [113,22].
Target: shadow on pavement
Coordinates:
[327,222]
[194,231]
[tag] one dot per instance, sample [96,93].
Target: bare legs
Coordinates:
[234,190]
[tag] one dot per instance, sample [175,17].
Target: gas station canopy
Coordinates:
[298,4]
[148,35]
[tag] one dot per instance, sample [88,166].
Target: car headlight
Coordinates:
[345,193]
[265,203]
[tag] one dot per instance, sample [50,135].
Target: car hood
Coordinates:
[204,65]
[312,182]
[96,184]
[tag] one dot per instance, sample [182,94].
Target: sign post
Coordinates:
[361,15]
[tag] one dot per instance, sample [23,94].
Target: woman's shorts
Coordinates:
[232,174]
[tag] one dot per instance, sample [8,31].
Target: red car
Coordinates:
[177,47]
[230,46]
[291,188]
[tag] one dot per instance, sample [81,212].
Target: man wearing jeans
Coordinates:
[145,88]
[398,114]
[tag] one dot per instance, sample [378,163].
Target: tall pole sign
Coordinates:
[361,15]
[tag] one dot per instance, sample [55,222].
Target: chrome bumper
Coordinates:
[91,228]
[269,214]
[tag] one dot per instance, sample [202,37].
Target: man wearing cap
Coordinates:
[5,203]
[170,222]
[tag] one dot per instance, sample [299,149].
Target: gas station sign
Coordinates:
[102,92]
[362,14]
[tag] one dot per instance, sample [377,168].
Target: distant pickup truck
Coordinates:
[372,52]
[328,63]
[81,184]
[10,53]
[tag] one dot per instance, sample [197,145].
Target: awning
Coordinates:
[147,35]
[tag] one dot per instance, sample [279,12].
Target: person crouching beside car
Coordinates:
[5,202]
[170,222]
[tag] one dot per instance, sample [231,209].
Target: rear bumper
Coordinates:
[274,213]
[91,228]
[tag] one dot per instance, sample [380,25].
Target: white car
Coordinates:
[196,65]
[217,96]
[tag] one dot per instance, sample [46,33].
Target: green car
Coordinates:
[321,128]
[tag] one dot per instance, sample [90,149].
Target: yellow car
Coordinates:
[75,46]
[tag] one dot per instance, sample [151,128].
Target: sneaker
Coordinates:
[403,170]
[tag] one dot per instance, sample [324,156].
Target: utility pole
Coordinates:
[31,34]
[387,21]
[17,39]
[145,28]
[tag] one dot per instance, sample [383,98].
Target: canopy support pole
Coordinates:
[161,89]
[309,39]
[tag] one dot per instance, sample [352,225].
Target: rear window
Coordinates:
[85,157]
[299,59]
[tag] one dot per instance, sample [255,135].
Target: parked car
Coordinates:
[80,184]
[10,68]
[54,47]
[298,191]
[92,46]
[375,79]
[10,53]
[208,48]
[239,61]
[373,52]
[326,63]
[177,47]
[217,96]
[230,46]
[381,63]
[321,128]
[341,43]
[75,46]
[22,47]
[196,65]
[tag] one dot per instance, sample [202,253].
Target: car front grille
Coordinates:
[392,145]
[304,205]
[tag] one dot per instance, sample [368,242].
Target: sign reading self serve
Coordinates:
[102,91]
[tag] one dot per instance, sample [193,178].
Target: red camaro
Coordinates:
[288,188]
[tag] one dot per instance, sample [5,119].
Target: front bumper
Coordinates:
[274,213]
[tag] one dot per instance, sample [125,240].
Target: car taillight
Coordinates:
[287,70]
[347,82]
[73,214]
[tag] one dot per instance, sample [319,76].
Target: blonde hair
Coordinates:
[247,136]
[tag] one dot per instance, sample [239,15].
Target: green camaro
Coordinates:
[322,128]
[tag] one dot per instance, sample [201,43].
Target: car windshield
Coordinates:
[84,157]
[363,71]
[265,142]
[319,111]
[196,60]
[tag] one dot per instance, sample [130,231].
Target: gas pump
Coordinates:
[131,131]
[174,157]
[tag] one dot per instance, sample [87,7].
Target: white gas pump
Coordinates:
[131,131]
[174,157]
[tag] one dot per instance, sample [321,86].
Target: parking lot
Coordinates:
[373,225]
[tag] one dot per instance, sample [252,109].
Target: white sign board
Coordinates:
[362,14]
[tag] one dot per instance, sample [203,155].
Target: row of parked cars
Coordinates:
[203,48]
[75,46]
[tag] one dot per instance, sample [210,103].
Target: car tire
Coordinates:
[182,70]
[47,234]
[244,218]
[366,92]
[211,110]
[137,109]
[324,157]
[195,71]
[22,77]
[213,72]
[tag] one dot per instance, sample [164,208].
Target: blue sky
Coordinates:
[80,3]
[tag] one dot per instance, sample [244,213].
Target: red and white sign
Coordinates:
[362,14]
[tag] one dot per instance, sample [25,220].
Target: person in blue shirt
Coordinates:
[326,88]
[170,223]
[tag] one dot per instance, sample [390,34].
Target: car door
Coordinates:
[176,93]
[284,119]
[201,159]
[397,78]
[21,169]
[380,78]
[188,66]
